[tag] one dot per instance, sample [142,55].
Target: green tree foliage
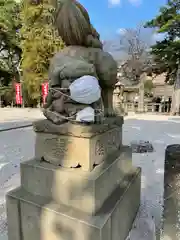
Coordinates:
[10,51]
[7,95]
[40,42]
[167,51]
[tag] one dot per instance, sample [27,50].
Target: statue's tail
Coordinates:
[74,25]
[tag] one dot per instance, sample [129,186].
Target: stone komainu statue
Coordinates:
[83,47]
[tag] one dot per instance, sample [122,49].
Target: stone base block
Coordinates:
[82,190]
[34,217]
[78,145]
[171,218]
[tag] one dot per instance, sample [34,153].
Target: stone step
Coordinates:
[35,217]
[79,189]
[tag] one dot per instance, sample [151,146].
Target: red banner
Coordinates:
[45,89]
[18,94]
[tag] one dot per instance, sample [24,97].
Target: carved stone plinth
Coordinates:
[77,145]
[91,202]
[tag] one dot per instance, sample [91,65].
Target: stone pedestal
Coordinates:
[89,193]
[75,145]
[171,214]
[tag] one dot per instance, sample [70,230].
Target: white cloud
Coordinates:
[118,2]
[121,31]
[158,36]
[114,2]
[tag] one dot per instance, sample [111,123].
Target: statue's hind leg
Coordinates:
[107,96]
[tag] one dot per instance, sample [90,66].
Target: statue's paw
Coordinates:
[99,119]
[110,113]
[54,117]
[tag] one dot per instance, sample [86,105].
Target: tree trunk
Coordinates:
[175,106]
[141,93]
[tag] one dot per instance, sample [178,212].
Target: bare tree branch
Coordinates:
[138,59]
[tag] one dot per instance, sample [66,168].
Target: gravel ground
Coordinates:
[18,145]
[160,131]
[15,146]
[19,114]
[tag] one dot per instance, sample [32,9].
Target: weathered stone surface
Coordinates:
[172,157]
[85,191]
[171,217]
[86,146]
[83,43]
[14,221]
[141,146]
[42,219]
[77,130]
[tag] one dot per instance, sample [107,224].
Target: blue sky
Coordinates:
[109,16]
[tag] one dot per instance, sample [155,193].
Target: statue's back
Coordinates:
[105,65]
[83,43]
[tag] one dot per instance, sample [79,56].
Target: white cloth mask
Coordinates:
[86,115]
[85,90]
